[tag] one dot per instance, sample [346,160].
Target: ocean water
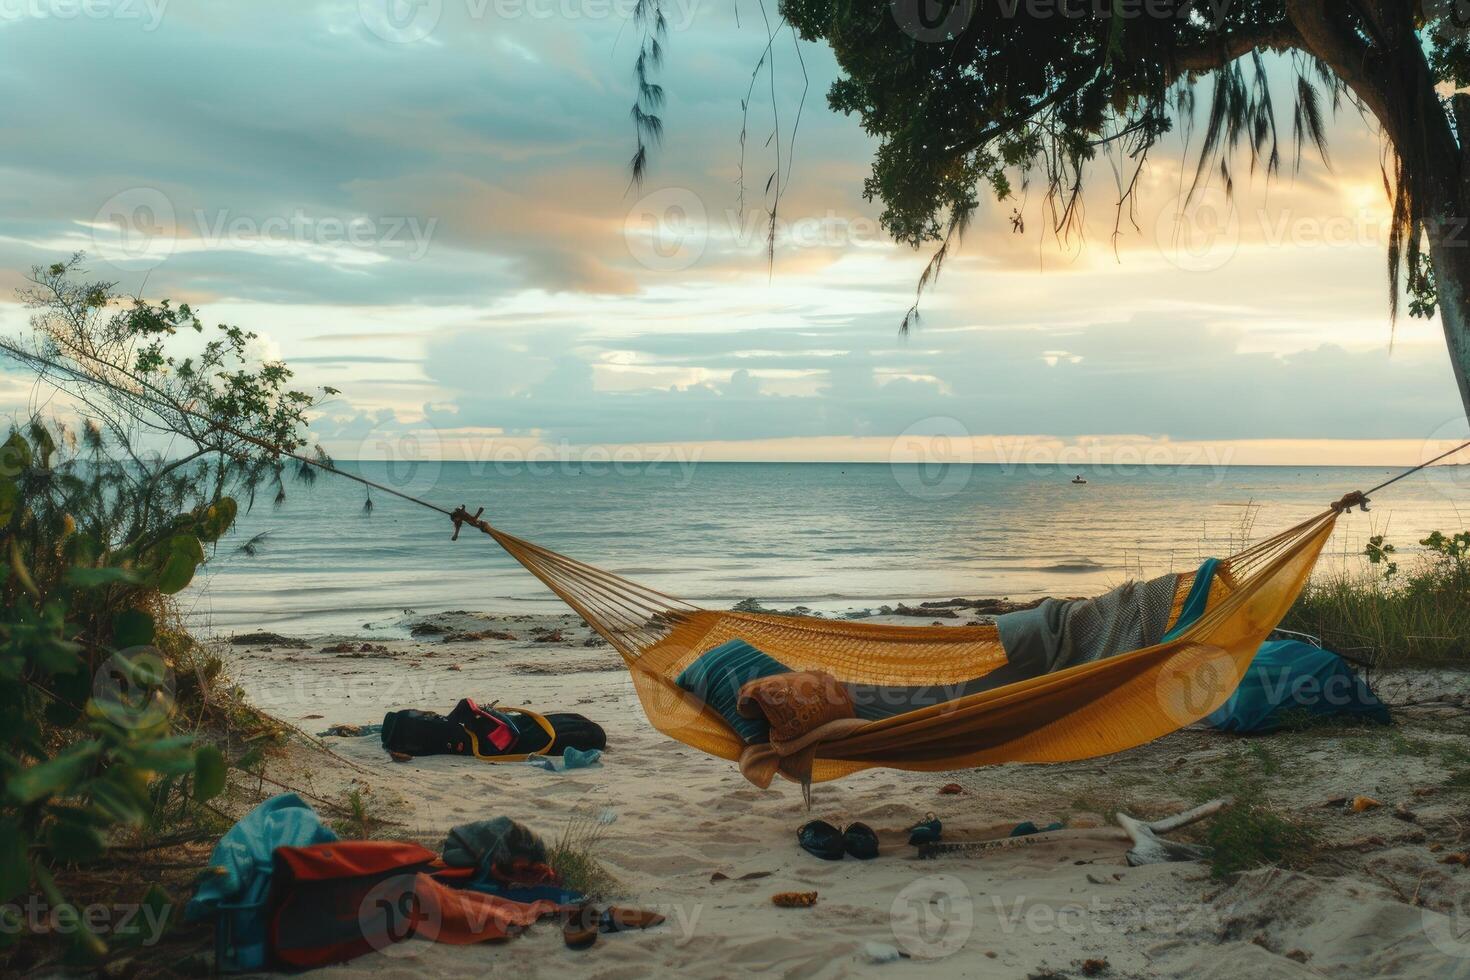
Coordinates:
[835,537]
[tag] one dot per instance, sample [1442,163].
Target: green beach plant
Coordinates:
[1395,612]
[100,524]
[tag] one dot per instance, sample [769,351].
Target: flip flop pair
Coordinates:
[585,923]
[825,841]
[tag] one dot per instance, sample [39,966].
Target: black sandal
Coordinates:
[860,841]
[821,839]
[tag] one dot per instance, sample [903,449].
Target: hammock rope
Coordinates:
[1092,709]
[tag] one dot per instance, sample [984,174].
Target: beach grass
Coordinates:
[1388,615]
[574,857]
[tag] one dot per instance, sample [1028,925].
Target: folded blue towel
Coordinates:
[717,677]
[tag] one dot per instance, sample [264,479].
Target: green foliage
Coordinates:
[1251,834]
[1396,612]
[969,94]
[964,95]
[83,696]
[96,532]
[1380,552]
[152,374]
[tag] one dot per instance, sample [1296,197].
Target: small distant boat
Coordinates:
[1078,480]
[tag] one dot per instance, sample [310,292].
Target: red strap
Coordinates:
[502,735]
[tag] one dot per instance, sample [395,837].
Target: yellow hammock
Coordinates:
[1089,710]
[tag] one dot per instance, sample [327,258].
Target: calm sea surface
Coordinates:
[836,537]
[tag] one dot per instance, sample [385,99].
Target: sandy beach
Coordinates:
[691,838]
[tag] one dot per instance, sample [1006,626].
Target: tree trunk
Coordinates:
[1392,78]
[1449,252]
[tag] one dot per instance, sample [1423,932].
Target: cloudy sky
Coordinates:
[428,207]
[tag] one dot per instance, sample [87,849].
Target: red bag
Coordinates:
[484,724]
[332,902]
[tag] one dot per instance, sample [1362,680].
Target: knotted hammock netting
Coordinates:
[1079,712]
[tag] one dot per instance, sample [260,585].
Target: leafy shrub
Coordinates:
[1397,611]
[96,533]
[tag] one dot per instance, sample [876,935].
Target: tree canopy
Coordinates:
[964,94]
[967,97]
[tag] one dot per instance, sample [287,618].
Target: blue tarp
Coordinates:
[1287,680]
[1290,680]
[235,894]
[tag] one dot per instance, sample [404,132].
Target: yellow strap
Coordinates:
[518,757]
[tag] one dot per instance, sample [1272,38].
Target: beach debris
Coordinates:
[1300,955]
[1027,827]
[951,789]
[754,606]
[550,636]
[349,649]
[926,831]
[794,900]
[985,607]
[342,731]
[1402,812]
[1459,857]
[427,628]
[748,876]
[268,639]
[399,756]
[925,611]
[882,953]
[311,717]
[594,641]
[1150,848]
[470,636]
[1094,967]
[455,667]
[1362,804]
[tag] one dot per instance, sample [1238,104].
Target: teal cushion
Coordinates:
[717,677]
